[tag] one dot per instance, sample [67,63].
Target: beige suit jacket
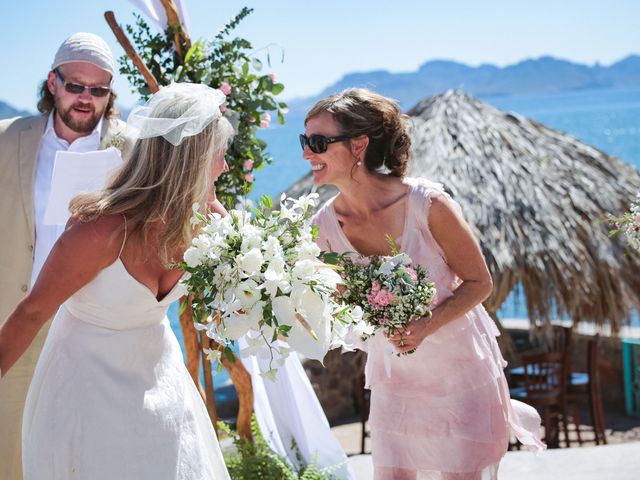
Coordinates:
[19,147]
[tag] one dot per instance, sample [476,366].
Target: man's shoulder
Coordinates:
[18,124]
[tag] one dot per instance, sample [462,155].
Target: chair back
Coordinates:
[544,373]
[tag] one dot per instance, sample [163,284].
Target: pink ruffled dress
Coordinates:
[444,411]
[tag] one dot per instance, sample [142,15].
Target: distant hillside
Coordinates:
[7,111]
[541,75]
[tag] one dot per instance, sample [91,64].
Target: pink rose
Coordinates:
[249,177]
[247,164]
[225,88]
[266,120]
[272,76]
[375,286]
[384,297]
[362,261]
[412,273]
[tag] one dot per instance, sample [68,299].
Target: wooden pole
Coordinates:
[192,345]
[242,382]
[210,399]
[131,53]
[181,40]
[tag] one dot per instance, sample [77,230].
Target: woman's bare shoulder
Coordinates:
[104,233]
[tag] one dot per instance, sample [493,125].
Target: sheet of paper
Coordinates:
[75,172]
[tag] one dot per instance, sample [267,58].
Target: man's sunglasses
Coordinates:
[78,89]
[320,143]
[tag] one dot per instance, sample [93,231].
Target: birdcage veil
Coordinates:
[176,111]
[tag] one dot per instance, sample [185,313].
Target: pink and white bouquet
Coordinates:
[390,291]
[628,224]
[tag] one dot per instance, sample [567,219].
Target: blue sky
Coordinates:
[323,40]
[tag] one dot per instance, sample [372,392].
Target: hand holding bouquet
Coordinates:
[390,291]
[264,276]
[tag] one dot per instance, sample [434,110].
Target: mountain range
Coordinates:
[533,76]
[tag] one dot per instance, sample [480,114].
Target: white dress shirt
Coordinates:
[46,235]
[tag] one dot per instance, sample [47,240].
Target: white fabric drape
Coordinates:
[288,409]
[155,11]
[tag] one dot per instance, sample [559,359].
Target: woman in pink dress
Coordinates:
[444,411]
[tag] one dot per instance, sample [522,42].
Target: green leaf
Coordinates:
[228,353]
[284,329]
[194,48]
[184,303]
[277,88]
[266,201]
[280,118]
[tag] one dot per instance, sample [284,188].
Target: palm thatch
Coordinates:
[533,196]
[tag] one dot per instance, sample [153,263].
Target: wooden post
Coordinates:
[192,345]
[130,51]
[181,40]
[242,382]
[210,398]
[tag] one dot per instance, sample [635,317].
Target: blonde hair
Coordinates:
[161,182]
[359,111]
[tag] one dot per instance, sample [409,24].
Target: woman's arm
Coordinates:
[76,258]
[462,252]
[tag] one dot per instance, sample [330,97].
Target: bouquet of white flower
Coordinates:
[264,276]
[628,224]
[390,291]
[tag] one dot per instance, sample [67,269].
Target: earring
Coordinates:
[359,162]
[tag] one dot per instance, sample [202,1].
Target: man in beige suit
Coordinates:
[77,106]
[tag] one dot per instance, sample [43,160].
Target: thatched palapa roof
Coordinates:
[533,196]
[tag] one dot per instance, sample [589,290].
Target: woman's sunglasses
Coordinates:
[320,143]
[78,89]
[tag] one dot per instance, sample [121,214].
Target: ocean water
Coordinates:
[606,119]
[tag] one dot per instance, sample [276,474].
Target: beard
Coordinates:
[79,125]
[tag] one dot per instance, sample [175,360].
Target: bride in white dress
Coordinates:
[111,397]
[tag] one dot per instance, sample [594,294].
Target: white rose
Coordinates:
[193,257]
[308,251]
[304,269]
[272,248]
[250,262]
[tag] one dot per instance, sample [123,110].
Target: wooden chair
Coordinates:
[560,341]
[586,386]
[544,389]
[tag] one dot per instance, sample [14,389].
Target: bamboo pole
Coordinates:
[130,51]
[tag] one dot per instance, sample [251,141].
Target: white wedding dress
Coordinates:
[111,398]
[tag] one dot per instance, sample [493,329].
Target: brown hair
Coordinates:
[46,103]
[359,111]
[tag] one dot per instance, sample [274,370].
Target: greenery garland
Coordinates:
[225,63]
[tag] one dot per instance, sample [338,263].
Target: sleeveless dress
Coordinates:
[443,411]
[111,397]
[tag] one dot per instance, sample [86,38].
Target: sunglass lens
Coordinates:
[99,91]
[318,143]
[74,88]
[303,140]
